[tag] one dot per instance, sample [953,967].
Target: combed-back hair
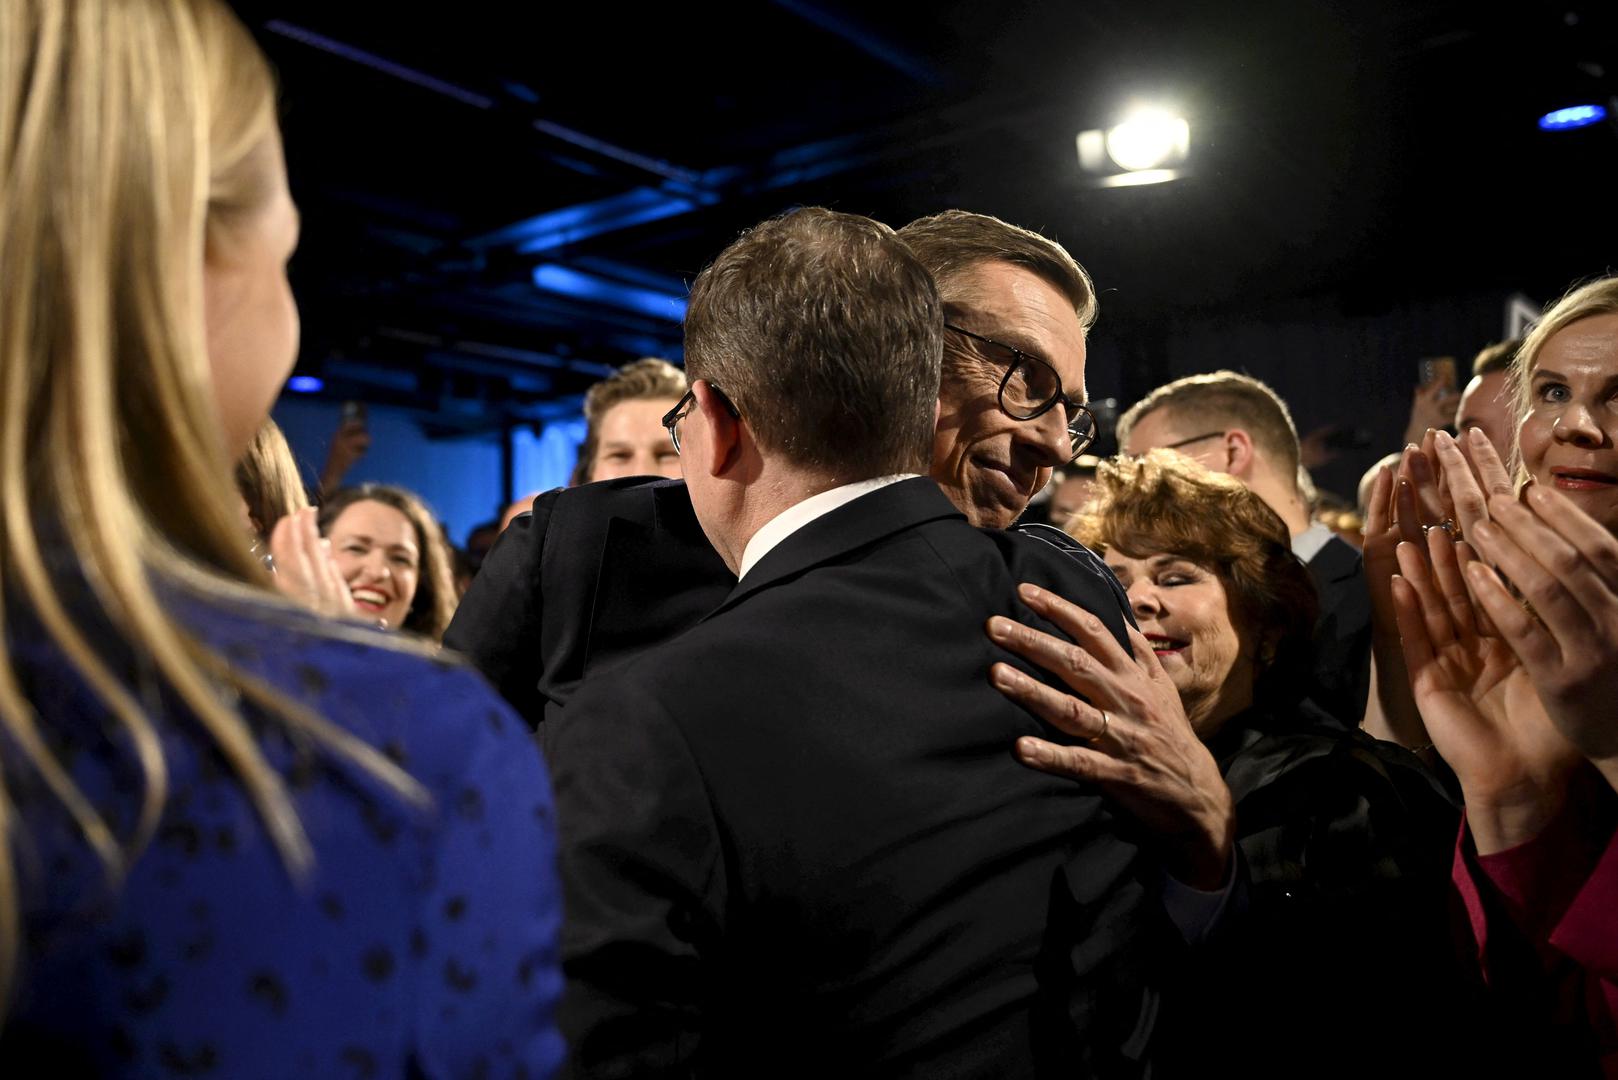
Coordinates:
[826,333]
[953,245]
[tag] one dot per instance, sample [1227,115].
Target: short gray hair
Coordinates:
[826,334]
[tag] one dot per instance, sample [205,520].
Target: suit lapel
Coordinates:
[1337,561]
[867,519]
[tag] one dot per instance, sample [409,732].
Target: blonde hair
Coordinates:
[1599,297]
[132,135]
[268,480]
[647,379]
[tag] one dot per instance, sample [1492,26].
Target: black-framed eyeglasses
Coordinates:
[1193,439]
[1031,388]
[682,408]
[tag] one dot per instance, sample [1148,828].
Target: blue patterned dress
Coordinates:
[423,943]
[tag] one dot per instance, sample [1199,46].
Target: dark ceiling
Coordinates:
[503,200]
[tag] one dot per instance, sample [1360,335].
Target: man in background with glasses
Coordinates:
[1235,424]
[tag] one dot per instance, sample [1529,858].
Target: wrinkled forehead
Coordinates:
[1017,307]
[1588,346]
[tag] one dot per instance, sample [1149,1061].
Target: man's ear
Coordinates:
[1238,450]
[938,412]
[722,428]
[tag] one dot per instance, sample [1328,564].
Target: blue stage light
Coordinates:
[1575,116]
[566,281]
[305,384]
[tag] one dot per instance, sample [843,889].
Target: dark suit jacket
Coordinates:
[796,842]
[1342,673]
[591,576]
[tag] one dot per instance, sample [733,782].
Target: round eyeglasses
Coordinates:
[1031,388]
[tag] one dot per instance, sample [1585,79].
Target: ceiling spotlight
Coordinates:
[1149,139]
[305,384]
[1574,116]
[1147,147]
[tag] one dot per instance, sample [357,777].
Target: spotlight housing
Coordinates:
[1150,145]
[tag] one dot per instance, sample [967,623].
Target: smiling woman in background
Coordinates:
[393,556]
[241,840]
[1339,868]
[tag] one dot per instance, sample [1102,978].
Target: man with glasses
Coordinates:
[1011,398]
[596,574]
[794,841]
[1235,424]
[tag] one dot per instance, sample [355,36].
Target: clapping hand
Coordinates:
[1565,564]
[1403,506]
[1479,706]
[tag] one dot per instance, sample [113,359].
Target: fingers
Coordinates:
[1062,711]
[1446,570]
[1073,762]
[1491,471]
[1424,480]
[334,595]
[1470,500]
[1437,627]
[1405,513]
[1550,573]
[1088,632]
[1465,556]
[1145,655]
[1379,510]
[1587,536]
[1419,652]
[1075,667]
[1515,624]
[294,574]
[306,572]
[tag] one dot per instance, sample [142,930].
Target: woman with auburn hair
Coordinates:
[240,839]
[393,557]
[1334,860]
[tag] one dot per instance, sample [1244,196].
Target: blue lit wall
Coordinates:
[546,461]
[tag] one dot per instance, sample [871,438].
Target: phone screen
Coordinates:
[1437,369]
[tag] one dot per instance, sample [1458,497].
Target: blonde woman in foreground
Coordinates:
[241,840]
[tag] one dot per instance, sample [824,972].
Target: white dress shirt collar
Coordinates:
[1307,544]
[800,514]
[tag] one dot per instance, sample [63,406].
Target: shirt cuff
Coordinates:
[1197,913]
